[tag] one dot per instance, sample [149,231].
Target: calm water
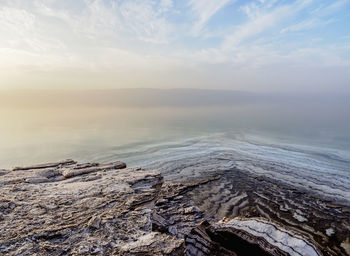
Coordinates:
[304,148]
[32,135]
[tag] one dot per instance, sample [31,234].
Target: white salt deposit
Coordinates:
[330,231]
[276,235]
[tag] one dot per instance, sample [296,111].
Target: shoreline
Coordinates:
[66,208]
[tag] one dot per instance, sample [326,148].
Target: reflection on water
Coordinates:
[32,135]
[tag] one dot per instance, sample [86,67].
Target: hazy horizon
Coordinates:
[170,97]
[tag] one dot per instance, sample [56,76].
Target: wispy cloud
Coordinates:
[306,25]
[329,8]
[198,37]
[204,10]
[261,19]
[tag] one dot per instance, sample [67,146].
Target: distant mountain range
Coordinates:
[156,98]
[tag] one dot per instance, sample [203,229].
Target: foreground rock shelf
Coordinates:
[66,208]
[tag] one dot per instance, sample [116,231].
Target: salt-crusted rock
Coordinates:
[46,165]
[66,208]
[94,222]
[269,236]
[252,236]
[3,172]
[153,244]
[239,194]
[84,169]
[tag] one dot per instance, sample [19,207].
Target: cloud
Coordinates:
[262,41]
[319,17]
[254,27]
[151,36]
[306,25]
[328,9]
[261,18]
[165,5]
[204,10]
[15,21]
[108,32]
[146,20]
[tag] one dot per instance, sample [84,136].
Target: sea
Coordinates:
[305,147]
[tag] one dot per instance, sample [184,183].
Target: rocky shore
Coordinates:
[66,208]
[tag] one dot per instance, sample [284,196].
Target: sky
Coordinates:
[258,45]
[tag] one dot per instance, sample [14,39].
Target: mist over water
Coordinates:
[37,131]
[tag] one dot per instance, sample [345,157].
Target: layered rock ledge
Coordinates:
[66,208]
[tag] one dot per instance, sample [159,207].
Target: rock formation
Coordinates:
[66,208]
